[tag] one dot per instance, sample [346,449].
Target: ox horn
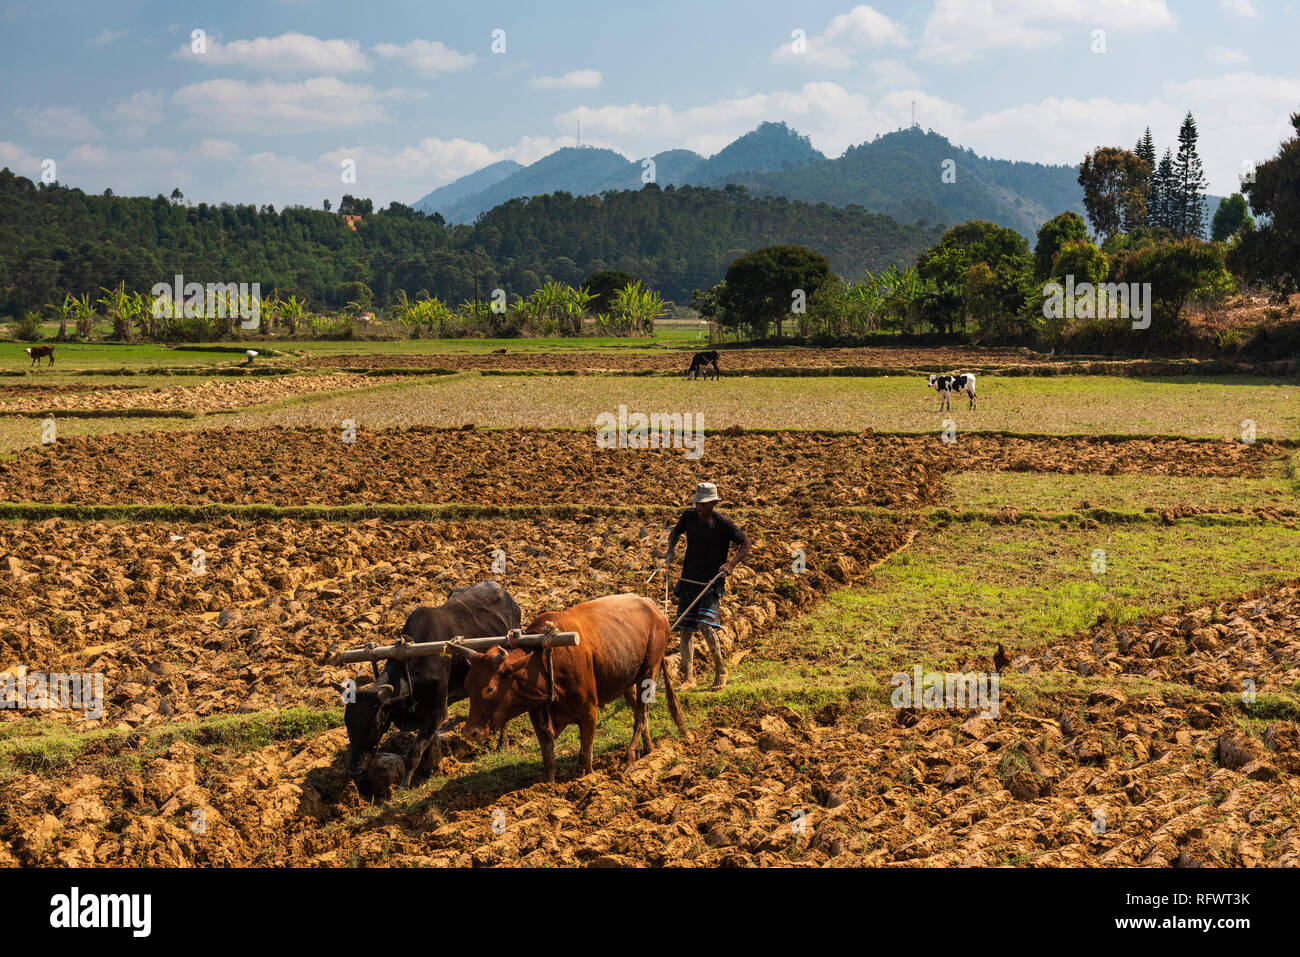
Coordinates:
[384,692]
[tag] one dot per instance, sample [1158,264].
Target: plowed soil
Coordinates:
[212,395]
[519,467]
[253,630]
[1109,774]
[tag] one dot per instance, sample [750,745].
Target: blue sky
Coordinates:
[284,92]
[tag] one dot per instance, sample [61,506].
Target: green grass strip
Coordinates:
[53,748]
[434,512]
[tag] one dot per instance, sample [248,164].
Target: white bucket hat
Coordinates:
[706,492]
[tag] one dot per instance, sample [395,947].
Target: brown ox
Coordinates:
[40,352]
[622,642]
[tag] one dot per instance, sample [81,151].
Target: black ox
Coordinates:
[413,693]
[700,363]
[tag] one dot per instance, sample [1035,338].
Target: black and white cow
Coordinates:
[946,385]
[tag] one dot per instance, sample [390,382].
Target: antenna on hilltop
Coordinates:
[914,112]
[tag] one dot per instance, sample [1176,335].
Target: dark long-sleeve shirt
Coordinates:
[707,543]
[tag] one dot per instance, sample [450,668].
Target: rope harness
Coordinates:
[548,661]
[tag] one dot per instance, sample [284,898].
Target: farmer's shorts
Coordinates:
[707,612]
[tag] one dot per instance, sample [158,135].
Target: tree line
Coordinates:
[1072,289]
[57,242]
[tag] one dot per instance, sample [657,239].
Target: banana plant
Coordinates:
[118,306]
[83,312]
[64,310]
[637,308]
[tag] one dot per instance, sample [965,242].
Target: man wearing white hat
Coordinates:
[709,536]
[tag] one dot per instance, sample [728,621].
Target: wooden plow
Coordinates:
[402,649]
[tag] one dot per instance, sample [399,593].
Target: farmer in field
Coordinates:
[709,536]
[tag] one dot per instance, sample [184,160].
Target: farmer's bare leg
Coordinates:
[688,668]
[719,662]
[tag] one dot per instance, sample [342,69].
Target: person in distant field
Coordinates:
[709,537]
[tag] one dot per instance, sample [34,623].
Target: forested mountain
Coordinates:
[56,240]
[900,174]
[466,186]
[671,169]
[773,146]
[588,171]
[570,169]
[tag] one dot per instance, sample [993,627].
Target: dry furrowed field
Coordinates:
[214,618]
[302,466]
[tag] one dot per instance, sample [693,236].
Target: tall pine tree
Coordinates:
[1162,185]
[1190,184]
[1146,151]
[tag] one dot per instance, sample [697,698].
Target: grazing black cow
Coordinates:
[40,352]
[413,693]
[700,362]
[946,385]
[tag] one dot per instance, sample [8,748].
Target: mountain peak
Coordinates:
[772,146]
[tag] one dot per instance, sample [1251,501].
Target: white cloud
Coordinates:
[217,170]
[830,115]
[958,30]
[846,37]
[287,52]
[429,57]
[19,161]
[1226,57]
[573,80]
[61,122]
[1242,8]
[321,103]
[407,173]
[892,73]
[1239,117]
[138,111]
[106,36]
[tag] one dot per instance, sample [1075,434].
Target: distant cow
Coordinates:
[700,362]
[622,643]
[946,385]
[413,694]
[40,352]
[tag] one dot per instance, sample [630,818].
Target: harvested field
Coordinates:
[739,360]
[305,466]
[46,391]
[1072,405]
[795,361]
[212,395]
